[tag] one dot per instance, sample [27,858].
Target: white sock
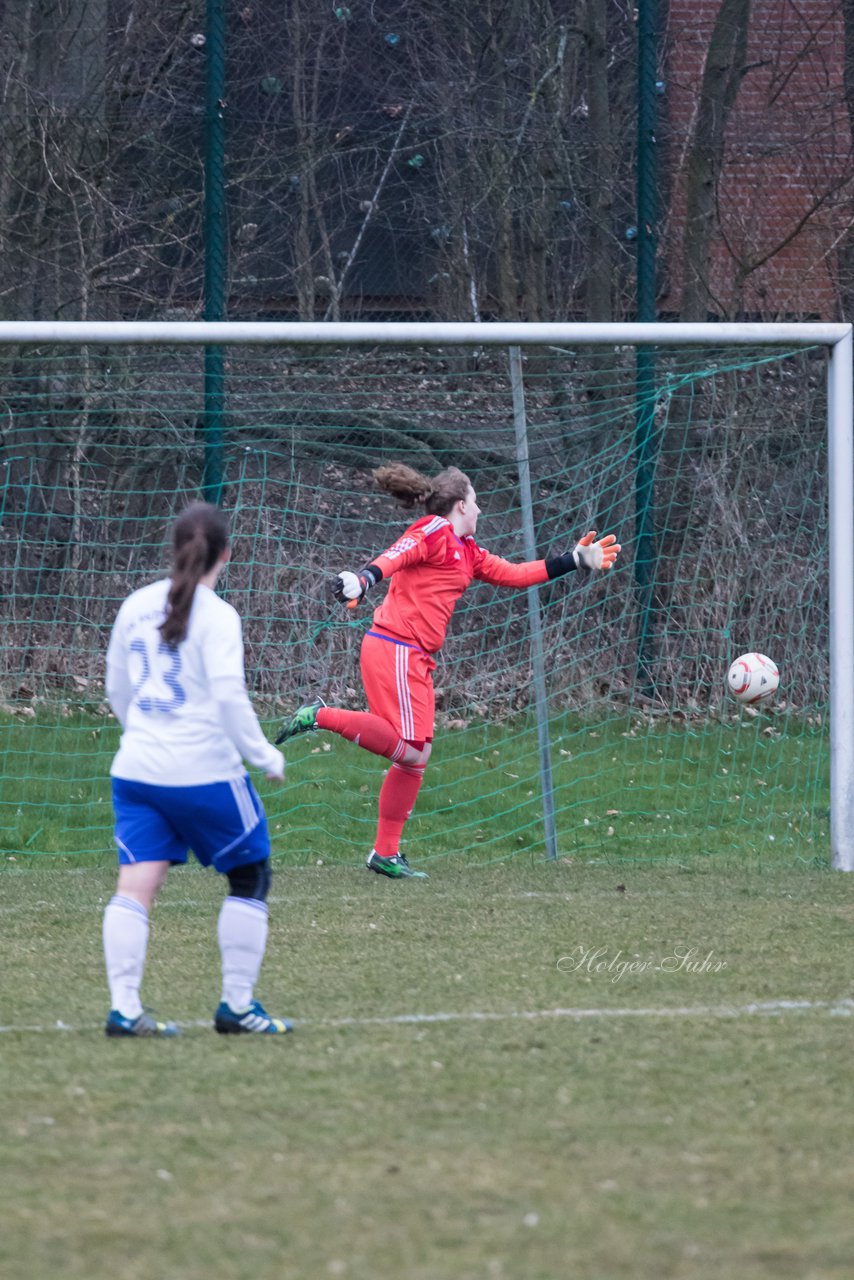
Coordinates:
[242,933]
[125,941]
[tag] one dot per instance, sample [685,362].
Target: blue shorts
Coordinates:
[222,822]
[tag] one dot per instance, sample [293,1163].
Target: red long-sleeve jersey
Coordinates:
[430,568]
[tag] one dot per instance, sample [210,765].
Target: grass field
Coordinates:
[627,787]
[468,1093]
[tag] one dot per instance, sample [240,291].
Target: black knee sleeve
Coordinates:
[252,881]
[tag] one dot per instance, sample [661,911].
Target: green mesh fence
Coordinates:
[650,761]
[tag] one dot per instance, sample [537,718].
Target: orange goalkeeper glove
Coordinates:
[586,555]
[349,588]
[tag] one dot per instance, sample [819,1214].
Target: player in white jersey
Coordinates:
[175,681]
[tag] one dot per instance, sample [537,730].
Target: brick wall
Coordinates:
[784,193]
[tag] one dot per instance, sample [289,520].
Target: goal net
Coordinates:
[587,719]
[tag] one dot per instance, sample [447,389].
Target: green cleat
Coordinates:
[303,720]
[397,867]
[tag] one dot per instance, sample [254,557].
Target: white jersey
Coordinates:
[185,712]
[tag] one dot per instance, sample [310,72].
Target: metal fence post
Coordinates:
[534,619]
[646,446]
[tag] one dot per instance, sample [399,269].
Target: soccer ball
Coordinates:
[753,678]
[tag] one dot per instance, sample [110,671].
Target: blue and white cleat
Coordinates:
[118,1025]
[252,1021]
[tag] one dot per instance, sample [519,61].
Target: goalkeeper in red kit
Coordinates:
[429,567]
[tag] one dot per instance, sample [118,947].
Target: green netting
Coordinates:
[650,759]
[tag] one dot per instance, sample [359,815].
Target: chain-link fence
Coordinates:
[386,159]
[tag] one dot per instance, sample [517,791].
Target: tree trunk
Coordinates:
[722,75]
[600,239]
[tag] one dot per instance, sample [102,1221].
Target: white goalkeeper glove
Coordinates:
[349,587]
[589,554]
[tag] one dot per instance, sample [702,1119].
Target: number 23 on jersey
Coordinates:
[154,673]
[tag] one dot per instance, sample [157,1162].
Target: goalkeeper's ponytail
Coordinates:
[199,538]
[413,489]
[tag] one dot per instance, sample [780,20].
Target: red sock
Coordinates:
[366,730]
[397,800]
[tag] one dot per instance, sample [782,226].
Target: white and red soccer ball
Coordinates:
[753,678]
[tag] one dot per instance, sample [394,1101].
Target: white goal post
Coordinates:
[835,338]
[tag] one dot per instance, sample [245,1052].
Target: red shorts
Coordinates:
[398,679]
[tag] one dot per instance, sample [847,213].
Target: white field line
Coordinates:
[280,900]
[96,906]
[842,1008]
[171,904]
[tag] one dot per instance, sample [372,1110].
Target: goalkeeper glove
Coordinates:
[347,586]
[587,554]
